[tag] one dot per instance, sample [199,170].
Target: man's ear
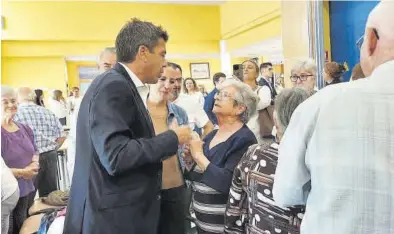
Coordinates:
[371,41]
[142,53]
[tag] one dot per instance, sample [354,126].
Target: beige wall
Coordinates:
[295,36]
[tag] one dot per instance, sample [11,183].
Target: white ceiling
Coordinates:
[271,48]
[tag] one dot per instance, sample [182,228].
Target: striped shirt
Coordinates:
[211,187]
[45,125]
[251,208]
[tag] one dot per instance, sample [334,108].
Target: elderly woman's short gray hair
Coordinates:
[244,96]
[286,102]
[7,91]
[308,65]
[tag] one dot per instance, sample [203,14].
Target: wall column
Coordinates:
[302,36]
[225,59]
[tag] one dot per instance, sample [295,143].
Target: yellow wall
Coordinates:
[326,28]
[247,22]
[38,35]
[47,72]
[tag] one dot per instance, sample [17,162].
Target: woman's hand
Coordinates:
[198,154]
[186,154]
[196,147]
[30,171]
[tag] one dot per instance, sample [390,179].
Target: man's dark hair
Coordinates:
[135,34]
[217,76]
[265,65]
[175,66]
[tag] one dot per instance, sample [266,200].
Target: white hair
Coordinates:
[244,96]
[7,91]
[26,93]
[286,102]
[308,65]
[382,19]
[110,50]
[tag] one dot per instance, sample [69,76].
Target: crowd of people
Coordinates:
[148,152]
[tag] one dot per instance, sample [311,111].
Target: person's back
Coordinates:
[350,158]
[337,155]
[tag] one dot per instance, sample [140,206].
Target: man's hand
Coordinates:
[183,133]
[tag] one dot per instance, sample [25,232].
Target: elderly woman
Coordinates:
[214,158]
[303,74]
[20,155]
[259,124]
[251,208]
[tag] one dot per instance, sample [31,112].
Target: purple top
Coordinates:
[17,150]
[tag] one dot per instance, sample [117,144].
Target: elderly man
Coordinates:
[47,132]
[337,154]
[107,59]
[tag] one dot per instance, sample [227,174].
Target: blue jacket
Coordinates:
[175,111]
[208,106]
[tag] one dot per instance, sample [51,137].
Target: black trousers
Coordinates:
[172,216]
[46,180]
[19,215]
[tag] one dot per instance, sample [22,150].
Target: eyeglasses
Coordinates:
[302,77]
[223,95]
[360,41]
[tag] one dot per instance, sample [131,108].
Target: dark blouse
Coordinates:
[251,208]
[211,188]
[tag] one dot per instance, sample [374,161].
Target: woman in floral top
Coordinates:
[250,207]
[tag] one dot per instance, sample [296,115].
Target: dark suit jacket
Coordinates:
[208,106]
[117,177]
[271,86]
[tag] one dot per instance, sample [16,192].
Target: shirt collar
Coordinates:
[27,104]
[384,69]
[170,107]
[137,82]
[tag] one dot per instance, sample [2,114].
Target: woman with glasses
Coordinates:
[212,161]
[303,74]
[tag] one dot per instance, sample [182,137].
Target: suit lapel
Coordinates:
[137,97]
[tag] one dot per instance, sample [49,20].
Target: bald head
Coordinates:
[25,94]
[378,46]
[107,59]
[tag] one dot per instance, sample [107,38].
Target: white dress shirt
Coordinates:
[59,108]
[337,157]
[142,88]
[253,124]
[195,112]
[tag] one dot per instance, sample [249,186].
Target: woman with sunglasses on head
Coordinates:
[212,161]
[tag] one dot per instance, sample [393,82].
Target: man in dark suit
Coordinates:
[117,176]
[267,78]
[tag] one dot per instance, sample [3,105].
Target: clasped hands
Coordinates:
[30,170]
[192,146]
